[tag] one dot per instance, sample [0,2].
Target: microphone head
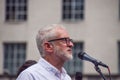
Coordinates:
[78,76]
[85,56]
[81,54]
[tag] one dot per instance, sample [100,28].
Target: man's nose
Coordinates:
[71,44]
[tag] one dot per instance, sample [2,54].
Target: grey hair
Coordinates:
[46,33]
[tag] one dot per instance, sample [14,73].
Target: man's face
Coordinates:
[63,46]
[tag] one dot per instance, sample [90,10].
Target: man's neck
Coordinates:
[55,62]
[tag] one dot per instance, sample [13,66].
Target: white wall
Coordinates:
[103,32]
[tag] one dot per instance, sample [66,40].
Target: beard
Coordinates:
[64,55]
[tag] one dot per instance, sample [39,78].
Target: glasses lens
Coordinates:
[69,40]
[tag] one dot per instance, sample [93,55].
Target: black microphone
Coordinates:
[85,56]
[78,76]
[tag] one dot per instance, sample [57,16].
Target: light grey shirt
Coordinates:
[43,71]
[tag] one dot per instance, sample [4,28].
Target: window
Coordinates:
[14,57]
[75,65]
[119,9]
[73,10]
[119,56]
[16,10]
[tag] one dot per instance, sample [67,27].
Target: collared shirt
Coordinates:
[43,71]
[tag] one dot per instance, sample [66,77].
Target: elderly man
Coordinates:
[55,47]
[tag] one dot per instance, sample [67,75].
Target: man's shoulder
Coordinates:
[33,70]
[35,67]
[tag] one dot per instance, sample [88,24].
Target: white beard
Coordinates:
[65,56]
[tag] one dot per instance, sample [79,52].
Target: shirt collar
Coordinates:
[51,68]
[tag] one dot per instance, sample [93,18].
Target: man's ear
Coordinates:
[48,47]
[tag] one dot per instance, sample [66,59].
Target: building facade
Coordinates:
[94,25]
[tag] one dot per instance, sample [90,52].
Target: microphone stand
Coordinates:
[99,71]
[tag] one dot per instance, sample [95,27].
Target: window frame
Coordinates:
[119,56]
[16,10]
[14,56]
[75,65]
[73,11]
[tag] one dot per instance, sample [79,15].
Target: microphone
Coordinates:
[85,56]
[78,76]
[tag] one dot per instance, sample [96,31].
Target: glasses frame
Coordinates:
[67,40]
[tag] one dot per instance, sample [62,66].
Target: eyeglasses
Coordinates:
[66,40]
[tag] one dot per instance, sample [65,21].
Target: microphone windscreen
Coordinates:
[80,55]
[78,76]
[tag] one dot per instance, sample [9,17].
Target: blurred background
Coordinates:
[94,25]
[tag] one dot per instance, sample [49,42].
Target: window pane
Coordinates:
[119,56]
[119,9]
[16,10]
[73,9]
[12,59]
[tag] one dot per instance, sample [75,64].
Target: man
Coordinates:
[55,48]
